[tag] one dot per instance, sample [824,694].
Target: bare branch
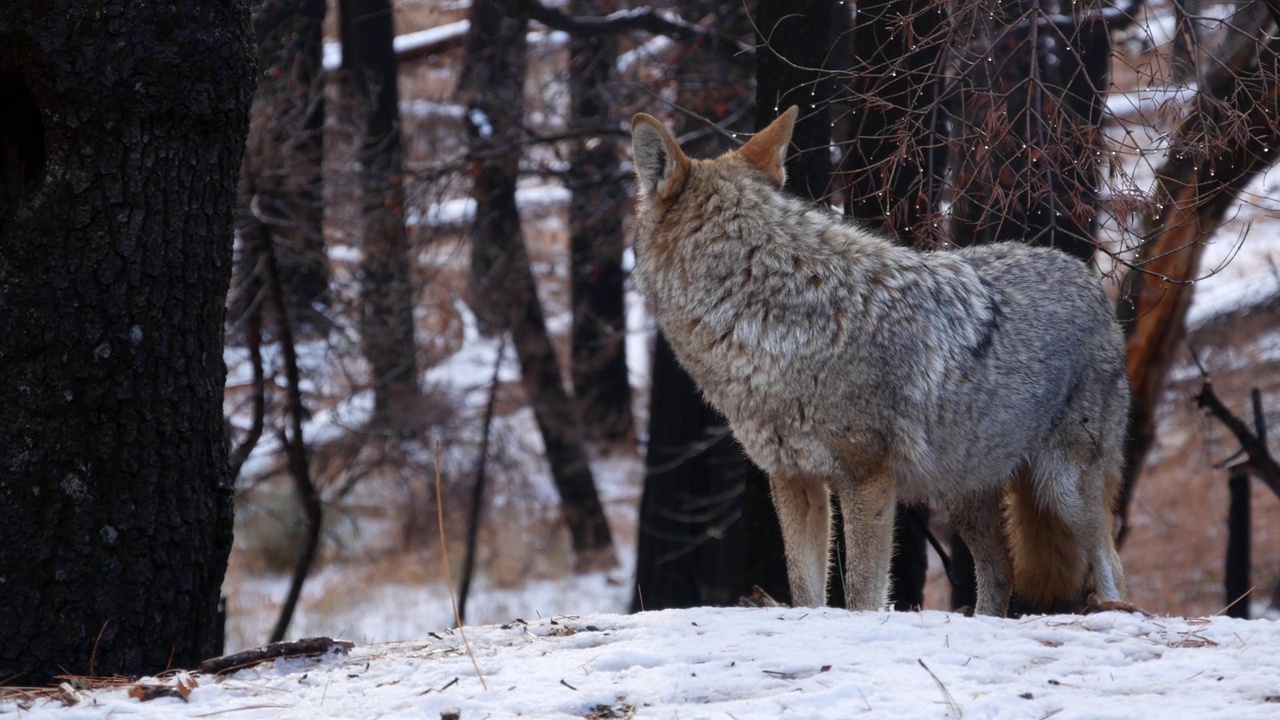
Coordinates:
[1254,445]
[645,19]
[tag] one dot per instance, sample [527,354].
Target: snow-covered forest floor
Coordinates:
[753,663]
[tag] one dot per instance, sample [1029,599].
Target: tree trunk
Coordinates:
[691,548]
[491,88]
[1030,121]
[895,158]
[280,177]
[691,534]
[1218,150]
[386,290]
[1236,581]
[596,208]
[121,143]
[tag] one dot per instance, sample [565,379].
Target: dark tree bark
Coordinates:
[504,290]
[690,549]
[1236,578]
[597,206]
[121,143]
[792,69]
[895,158]
[1029,122]
[280,178]
[690,541]
[386,289]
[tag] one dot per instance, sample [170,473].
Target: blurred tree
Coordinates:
[386,283]
[121,136]
[1229,138]
[280,179]
[504,294]
[597,206]
[691,547]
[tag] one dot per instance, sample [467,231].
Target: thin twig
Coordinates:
[477,490]
[448,571]
[1233,603]
[293,444]
[946,694]
[93,656]
[254,340]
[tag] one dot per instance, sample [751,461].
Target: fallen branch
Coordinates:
[307,647]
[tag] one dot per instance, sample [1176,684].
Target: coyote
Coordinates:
[991,379]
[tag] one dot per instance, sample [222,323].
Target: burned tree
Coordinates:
[123,133]
[504,294]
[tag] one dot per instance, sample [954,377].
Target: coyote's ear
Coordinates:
[767,151]
[661,166]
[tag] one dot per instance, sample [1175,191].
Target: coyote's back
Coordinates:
[979,377]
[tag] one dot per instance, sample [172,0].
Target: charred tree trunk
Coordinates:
[893,172]
[596,208]
[1227,140]
[492,90]
[121,141]
[1239,558]
[386,290]
[895,157]
[280,177]
[1029,122]
[690,543]
[690,549]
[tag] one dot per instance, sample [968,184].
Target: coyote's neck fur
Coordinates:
[759,269]
[755,287]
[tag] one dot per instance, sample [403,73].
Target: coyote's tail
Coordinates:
[1049,561]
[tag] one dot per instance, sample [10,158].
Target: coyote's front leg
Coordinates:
[867,505]
[804,512]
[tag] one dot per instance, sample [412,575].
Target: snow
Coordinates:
[463,210]
[758,663]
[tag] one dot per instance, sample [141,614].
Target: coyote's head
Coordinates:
[663,169]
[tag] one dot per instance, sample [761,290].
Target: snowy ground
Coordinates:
[757,663]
